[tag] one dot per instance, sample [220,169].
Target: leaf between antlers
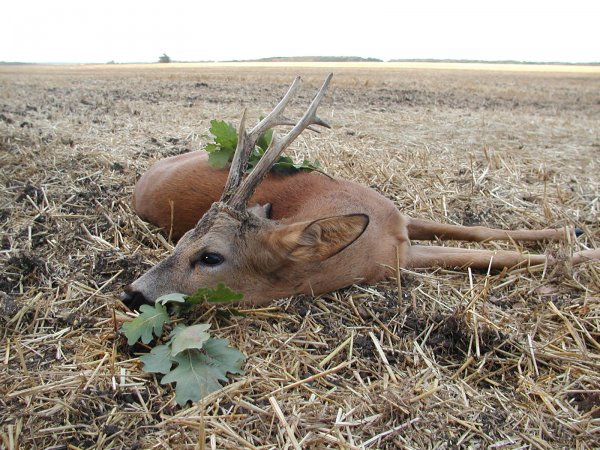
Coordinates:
[237,191]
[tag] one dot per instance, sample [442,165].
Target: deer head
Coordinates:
[239,246]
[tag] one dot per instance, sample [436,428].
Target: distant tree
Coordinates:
[164,58]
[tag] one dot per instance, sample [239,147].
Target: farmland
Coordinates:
[438,358]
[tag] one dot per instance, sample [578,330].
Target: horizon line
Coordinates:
[315,59]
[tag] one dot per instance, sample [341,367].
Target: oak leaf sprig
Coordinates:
[196,362]
[224,141]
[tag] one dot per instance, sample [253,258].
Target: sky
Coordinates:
[99,31]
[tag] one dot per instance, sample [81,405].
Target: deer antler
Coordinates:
[238,192]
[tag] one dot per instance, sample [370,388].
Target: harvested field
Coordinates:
[437,359]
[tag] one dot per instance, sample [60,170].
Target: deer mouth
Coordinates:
[132,299]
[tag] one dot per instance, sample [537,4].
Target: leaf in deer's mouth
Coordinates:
[175,297]
[218,294]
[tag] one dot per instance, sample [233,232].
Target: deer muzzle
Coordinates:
[132,299]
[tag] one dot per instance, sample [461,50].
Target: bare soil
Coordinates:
[439,359]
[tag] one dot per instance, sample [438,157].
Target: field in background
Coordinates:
[334,66]
[451,359]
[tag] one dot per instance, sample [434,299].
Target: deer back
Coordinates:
[177,191]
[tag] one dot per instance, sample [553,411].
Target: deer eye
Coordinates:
[209,259]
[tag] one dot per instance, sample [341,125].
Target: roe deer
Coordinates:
[320,234]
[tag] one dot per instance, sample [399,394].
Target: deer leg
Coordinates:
[420,256]
[428,230]
[586,255]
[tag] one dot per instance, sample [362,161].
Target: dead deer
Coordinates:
[312,234]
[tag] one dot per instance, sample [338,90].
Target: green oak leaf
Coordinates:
[265,140]
[211,148]
[178,328]
[221,150]
[220,159]
[255,156]
[151,319]
[224,357]
[158,360]
[175,297]
[199,372]
[192,337]
[218,294]
[286,165]
[310,165]
[224,133]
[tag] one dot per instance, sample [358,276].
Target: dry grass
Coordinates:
[453,359]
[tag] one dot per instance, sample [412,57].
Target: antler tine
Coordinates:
[244,192]
[286,121]
[275,117]
[240,160]
[247,141]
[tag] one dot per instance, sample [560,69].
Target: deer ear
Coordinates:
[321,239]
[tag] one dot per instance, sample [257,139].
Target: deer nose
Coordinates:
[132,299]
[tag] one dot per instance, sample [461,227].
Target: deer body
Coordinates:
[322,233]
[177,191]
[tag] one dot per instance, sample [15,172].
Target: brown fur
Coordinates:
[325,234]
